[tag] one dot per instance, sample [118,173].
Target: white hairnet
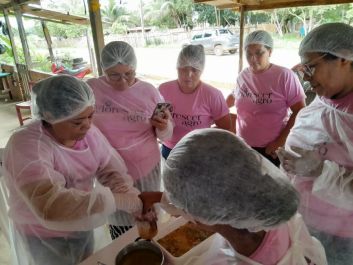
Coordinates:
[333,38]
[214,176]
[192,55]
[59,98]
[118,52]
[259,37]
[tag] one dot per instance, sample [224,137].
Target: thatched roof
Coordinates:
[249,5]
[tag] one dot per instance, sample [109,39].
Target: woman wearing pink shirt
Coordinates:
[243,197]
[63,177]
[124,107]
[263,96]
[319,148]
[195,104]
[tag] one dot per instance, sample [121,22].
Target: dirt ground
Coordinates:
[159,64]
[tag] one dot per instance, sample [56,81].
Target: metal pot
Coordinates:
[140,252]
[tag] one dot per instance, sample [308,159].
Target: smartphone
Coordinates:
[160,108]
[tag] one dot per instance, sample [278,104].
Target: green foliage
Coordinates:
[7,44]
[205,13]
[258,17]
[229,17]
[112,11]
[41,62]
[37,29]
[76,7]
[66,31]
[289,40]
[118,28]
[349,14]
[172,13]
[337,13]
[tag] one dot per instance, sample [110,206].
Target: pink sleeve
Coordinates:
[218,105]
[293,89]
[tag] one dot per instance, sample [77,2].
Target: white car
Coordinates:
[217,41]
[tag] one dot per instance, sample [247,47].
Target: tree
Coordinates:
[112,11]
[205,13]
[229,17]
[77,7]
[66,31]
[174,13]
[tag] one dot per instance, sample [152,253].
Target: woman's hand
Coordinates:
[149,198]
[271,148]
[161,123]
[302,162]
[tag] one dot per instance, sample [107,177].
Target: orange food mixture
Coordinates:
[183,239]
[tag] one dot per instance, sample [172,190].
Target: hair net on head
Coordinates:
[214,176]
[192,55]
[60,98]
[118,52]
[259,37]
[333,38]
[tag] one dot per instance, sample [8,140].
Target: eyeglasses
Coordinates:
[309,68]
[257,54]
[118,76]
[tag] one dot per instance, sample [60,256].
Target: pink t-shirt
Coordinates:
[273,247]
[192,111]
[262,101]
[39,157]
[287,244]
[328,124]
[123,117]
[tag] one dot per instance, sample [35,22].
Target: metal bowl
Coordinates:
[140,252]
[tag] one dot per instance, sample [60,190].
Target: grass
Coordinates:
[287,41]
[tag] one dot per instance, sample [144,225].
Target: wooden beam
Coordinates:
[253,5]
[43,19]
[10,3]
[53,15]
[295,4]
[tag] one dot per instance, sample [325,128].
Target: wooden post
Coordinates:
[97,31]
[91,53]
[21,31]
[11,37]
[241,39]
[48,40]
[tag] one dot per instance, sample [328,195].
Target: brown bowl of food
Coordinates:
[140,252]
